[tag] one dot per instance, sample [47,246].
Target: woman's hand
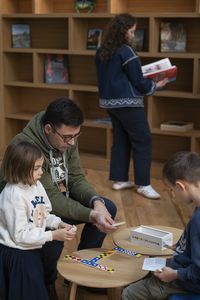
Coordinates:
[161,83]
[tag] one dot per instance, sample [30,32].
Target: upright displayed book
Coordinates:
[56,68]
[176,126]
[21,36]
[94,36]
[160,70]
[172,37]
[138,40]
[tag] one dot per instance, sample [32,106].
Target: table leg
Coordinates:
[114,293]
[71,293]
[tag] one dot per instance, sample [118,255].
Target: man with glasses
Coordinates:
[56,131]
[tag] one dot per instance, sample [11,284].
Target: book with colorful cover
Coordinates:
[160,70]
[172,37]
[94,37]
[21,36]
[56,69]
[138,40]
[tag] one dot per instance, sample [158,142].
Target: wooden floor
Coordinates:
[135,210]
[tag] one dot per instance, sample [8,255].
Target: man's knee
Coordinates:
[111,207]
[126,295]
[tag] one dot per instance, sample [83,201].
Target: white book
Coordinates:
[154,264]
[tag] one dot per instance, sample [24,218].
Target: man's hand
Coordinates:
[167,274]
[100,217]
[100,207]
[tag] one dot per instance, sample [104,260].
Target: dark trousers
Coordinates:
[91,237]
[21,275]
[131,134]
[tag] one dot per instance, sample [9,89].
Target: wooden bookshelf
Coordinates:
[56,28]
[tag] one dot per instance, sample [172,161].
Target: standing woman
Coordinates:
[122,88]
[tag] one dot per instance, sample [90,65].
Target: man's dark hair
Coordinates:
[63,111]
[183,165]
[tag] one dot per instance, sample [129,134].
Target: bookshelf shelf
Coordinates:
[56,28]
[67,6]
[173,109]
[189,133]
[157,6]
[16,6]
[68,87]
[193,34]
[170,144]
[20,116]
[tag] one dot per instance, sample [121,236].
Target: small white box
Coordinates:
[151,237]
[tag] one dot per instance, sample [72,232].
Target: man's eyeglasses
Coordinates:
[66,138]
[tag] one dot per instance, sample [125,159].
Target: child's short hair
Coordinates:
[183,165]
[19,161]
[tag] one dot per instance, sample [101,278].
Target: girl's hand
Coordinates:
[65,225]
[66,233]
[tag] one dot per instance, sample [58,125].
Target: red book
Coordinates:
[160,70]
[56,69]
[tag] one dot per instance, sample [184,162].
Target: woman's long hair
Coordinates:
[115,35]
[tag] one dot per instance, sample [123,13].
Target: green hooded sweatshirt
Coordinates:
[76,203]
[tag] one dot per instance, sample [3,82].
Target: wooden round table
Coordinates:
[127,269]
[121,238]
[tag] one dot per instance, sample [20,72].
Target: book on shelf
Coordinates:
[94,37]
[172,37]
[106,120]
[56,68]
[138,40]
[176,126]
[21,36]
[160,70]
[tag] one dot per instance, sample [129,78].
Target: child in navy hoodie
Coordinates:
[182,273]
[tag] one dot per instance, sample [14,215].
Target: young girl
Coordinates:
[24,216]
[122,88]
